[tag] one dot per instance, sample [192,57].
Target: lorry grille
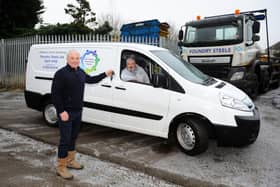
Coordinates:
[218,66]
[215,70]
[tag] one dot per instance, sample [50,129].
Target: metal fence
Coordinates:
[14,52]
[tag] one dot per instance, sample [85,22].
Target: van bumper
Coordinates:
[33,100]
[245,133]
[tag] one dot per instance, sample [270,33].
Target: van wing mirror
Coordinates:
[256,27]
[181,35]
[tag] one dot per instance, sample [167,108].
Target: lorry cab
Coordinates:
[177,101]
[226,47]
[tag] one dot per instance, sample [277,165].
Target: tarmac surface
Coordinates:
[30,163]
[254,165]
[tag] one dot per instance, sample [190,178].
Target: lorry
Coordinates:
[225,47]
[179,102]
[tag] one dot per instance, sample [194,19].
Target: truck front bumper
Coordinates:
[245,133]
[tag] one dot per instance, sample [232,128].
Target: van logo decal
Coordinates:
[89,61]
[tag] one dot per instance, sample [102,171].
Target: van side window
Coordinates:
[175,86]
[138,68]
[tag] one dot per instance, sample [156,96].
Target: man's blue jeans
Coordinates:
[69,131]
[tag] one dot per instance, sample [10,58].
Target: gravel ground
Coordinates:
[26,162]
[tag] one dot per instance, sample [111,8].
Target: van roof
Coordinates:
[101,44]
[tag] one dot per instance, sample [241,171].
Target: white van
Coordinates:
[180,101]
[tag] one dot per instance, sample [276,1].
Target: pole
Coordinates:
[3,65]
[267,38]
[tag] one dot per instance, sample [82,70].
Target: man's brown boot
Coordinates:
[71,162]
[62,170]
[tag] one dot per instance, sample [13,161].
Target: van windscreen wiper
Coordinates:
[209,81]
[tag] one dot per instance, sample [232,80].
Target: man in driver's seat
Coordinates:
[134,72]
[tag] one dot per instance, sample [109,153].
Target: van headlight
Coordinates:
[231,102]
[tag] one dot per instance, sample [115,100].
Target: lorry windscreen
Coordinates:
[183,68]
[212,34]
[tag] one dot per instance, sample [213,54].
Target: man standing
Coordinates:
[67,96]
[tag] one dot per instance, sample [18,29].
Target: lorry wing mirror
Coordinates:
[181,35]
[256,38]
[256,27]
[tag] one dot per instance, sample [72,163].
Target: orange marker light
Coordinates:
[198,18]
[237,11]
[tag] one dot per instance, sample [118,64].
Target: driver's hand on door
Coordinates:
[109,73]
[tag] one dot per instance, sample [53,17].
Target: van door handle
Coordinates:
[120,88]
[105,85]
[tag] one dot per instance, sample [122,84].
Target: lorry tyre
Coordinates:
[255,89]
[49,114]
[264,81]
[191,136]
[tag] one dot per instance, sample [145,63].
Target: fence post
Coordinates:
[3,65]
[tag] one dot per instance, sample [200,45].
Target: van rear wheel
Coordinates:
[192,136]
[49,114]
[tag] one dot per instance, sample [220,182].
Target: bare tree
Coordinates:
[81,13]
[173,31]
[115,21]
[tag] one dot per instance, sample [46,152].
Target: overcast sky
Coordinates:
[175,12]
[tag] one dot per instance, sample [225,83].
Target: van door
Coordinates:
[138,105]
[97,60]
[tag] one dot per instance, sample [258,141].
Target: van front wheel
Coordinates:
[49,114]
[191,136]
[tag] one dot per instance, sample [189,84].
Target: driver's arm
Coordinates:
[125,76]
[146,78]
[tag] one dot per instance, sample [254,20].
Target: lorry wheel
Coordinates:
[49,114]
[255,89]
[264,82]
[191,136]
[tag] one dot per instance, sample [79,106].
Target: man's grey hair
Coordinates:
[72,51]
[131,57]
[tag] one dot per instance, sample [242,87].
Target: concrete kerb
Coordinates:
[138,166]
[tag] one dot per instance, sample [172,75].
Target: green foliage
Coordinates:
[82,13]
[105,28]
[72,28]
[66,28]
[19,16]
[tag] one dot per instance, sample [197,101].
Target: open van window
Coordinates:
[136,67]
[157,75]
[183,68]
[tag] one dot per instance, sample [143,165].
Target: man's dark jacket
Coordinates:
[68,88]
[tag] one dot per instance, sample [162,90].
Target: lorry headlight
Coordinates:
[231,102]
[237,76]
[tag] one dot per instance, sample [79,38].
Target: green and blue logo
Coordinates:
[89,61]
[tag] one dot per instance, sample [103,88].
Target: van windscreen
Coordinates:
[183,68]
